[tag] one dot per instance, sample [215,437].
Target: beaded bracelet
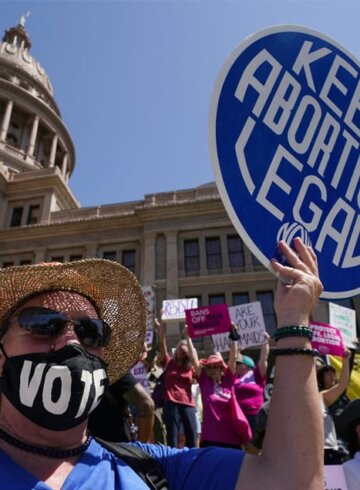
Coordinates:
[295,351]
[293,331]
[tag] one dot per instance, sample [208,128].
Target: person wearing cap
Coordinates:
[250,382]
[216,380]
[349,429]
[66,329]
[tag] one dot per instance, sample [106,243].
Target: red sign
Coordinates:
[208,320]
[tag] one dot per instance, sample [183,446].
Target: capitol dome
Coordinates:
[19,67]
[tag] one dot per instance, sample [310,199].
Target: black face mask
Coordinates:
[56,390]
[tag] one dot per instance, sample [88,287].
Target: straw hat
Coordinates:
[112,288]
[213,360]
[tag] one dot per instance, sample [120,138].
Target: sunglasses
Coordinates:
[37,320]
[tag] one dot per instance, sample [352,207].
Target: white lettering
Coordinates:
[63,374]
[339,236]
[29,388]
[332,81]
[324,142]
[248,79]
[272,178]
[280,107]
[304,60]
[310,180]
[240,153]
[302,147]
[99,376]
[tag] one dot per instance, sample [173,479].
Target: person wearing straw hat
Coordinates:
[66,329]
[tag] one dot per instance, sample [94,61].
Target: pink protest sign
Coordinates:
[327,339]
[208,320]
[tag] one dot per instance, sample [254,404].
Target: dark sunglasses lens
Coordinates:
[93,332]
[41,321]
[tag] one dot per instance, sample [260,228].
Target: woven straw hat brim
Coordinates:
[111,287]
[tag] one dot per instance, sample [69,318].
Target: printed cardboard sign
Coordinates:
[208,320]
[327,339]
[284,133]
[250,323]
[174,309]
[149,296]
[345,320]
[334,478]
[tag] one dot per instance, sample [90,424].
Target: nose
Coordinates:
[65,337]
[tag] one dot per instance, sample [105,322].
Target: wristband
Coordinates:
[296,351]
[293,331]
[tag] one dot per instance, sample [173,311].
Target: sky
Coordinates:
[134,79]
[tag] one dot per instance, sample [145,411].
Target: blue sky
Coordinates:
[134,79]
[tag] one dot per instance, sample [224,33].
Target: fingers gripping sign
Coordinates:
[296,297]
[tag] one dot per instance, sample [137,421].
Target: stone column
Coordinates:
[64,165]
[33,135]
[53,150]
[172,268]
[39,255]
[91,250]
[149,259]
[6,120]
[202,256]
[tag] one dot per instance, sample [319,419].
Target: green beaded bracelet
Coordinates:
[293,331]
[295,351]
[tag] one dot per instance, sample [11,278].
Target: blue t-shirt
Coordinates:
[208,469]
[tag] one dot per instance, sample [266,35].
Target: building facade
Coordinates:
[181,243]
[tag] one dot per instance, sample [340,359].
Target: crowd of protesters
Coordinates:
[210,402]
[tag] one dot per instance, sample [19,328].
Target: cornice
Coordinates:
[235,278]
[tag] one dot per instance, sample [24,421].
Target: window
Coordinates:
[128,259]
[16,216]
[199,299]
[7,264]
[72,258]
[57,258]
[256,262]
[213,253]
[216,299]
[266,299]
[240,298]
[33,214]
[235,251]
[109,255]
[191,255]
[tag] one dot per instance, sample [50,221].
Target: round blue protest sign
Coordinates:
[285,145]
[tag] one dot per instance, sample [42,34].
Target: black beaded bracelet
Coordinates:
[293,331]
[291,351]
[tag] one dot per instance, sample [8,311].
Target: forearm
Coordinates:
[293,443]
[232,358]
[145,426]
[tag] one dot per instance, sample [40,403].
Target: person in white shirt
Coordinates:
[349,429]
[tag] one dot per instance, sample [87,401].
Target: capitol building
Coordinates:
[180,243]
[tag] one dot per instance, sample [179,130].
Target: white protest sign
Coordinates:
[149,296]
[149,335]
[334,478]
[250,323]
[221,342]
[345,320]
[174,309]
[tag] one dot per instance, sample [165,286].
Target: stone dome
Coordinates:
[20,68]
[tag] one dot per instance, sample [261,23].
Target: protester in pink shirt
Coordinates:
[216,381]
[179,409]
[250,382]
